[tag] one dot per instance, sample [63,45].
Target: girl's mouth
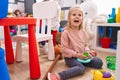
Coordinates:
[76,21]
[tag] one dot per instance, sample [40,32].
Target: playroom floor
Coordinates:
[20,71]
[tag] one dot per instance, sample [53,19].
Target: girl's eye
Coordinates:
[74,14]
[79,15]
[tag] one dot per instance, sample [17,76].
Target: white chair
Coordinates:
[44,11]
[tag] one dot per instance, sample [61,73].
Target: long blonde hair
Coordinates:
[68,25]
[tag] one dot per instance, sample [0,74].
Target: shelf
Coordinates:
[108,24]
[95,41]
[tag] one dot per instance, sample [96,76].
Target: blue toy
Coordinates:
[61,29]
[112,15]
[101,31]
[3,8]
[110,30]
[84,61]
[4,75]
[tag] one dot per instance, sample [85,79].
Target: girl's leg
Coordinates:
[76,68]
[95,63]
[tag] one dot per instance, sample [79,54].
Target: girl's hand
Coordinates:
[81,56]
[90,56]
[93,53]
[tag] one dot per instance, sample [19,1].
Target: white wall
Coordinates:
[105,6]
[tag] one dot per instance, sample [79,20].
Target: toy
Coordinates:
[85,60]
[57,49]
[86,54]
[13,31]
[106,74]
[102,75]
[58,56]
[112,16]
[118,16]
[18,13]
[110,60]
[61,29]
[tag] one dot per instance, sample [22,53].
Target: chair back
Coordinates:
[44,11]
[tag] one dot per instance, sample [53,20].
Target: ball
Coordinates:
[106,74]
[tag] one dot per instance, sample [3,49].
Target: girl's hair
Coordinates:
[68,25]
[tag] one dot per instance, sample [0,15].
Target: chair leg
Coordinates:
[18,55]
[54,33]
[51,54]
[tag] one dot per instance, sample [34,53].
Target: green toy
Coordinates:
[86,54]
[111,62]
[85,60]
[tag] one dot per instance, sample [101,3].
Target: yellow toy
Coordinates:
[118,16]
[102,75]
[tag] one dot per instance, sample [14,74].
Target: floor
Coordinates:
[20,71]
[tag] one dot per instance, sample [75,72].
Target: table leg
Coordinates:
[8,45]
[33,54]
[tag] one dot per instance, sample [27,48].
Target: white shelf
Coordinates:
[95,41]
[109,24]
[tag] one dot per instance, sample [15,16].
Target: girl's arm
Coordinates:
[65,46]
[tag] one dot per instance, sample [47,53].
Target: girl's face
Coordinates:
[76,18]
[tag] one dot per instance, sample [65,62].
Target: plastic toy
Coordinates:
[61,29]
[110,60]
[101,31]
[85,60]
[118,16]
[102,75]
[58,56]
[86,54]
[106,74]
[3,67]
[3,8]
[57,49]
[13,32]
[110,30]
[112,16]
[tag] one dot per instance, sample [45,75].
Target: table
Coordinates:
[33,54]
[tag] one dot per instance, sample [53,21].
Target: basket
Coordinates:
[111,62]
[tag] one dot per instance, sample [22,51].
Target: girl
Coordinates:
[74,43]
